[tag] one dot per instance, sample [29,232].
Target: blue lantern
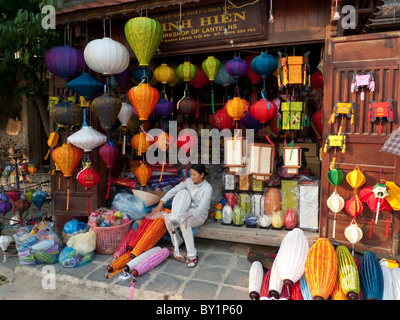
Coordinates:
[139,73]
[223,78]
[86,86]
[264,64]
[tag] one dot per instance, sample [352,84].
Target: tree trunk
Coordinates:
[44,114]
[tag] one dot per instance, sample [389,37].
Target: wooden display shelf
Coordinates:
[267,237]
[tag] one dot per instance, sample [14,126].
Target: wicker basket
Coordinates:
[108,238]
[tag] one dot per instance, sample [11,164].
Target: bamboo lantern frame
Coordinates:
[235,153]
[261,161]
[292,163]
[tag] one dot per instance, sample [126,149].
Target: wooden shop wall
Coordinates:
[377,53]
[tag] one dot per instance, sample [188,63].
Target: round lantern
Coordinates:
[144,36]
[86,86]
[237,67]
[353,232]
[144,98]
[66,114]
[108,152]
[5,207]
[321,269]
[21,205]
[221,120]
[164,73]
[65,62]
[186,71]
[124,116]
[143,174]
[335,176]
[236,108]
[87,138]
[223,78]
[106,56]
[211,68]
[335,202]
[88,178]
[187,106]
[142,73]
[263,110]
[264,65]
[355,178]
[140,143]
[317,81]
[163,108]
[107,109]
[249,122]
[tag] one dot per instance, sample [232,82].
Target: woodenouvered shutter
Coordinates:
[380,54]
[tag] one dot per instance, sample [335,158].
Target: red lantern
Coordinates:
[317,81]
[354,206]
[254,78]
[263,110]
[221,120]
[108,152]
[88,178]
[187,106]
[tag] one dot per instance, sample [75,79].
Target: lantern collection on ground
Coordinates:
[269,176]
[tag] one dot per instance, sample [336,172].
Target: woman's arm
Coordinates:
[204,204]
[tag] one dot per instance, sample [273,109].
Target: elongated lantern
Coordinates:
[321,269]
[124,116]
[387,283]
[256,276]
[211,68]
[144,35]
[292,256]
[88,178]
[144,98]
[395,271]
[107,109]
[137,260]
[275,282]
[108,152]
[371,277]
[151,262]
[143,174]
[67,158]
[106,56]
[348,277]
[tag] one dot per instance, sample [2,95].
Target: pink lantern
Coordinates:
[108,152]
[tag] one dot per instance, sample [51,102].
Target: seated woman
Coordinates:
[194,196]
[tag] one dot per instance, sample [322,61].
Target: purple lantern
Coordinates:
[65,62]
[5,207]
[163,108]
[249,122]
[237,67]
[123,79]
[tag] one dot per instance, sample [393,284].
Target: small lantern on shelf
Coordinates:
[292,159]
[261,160]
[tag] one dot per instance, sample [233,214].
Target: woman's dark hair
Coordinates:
[200,168]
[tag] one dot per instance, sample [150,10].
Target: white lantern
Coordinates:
[106,56]
[261,160]
[256,276]
[396,282]
[353,234]
[335,203]
[292,159]
[235,153]
[292,256]
[275,282]
[87,138]
[387,283]
[124,116]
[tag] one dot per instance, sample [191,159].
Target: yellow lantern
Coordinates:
[164,73]
[143,98]
[186,71]
[237,108]
[355,178]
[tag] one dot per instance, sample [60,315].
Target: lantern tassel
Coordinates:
[377,211]
[68,196]
[198,104]
[334,227]
[370,229]
[88,203]
[108,184]
[387,227]
[212,97]
[131,289]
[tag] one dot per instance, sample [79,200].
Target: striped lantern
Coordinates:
[144,98]
[107,108]
[106,56]
[144,35]
[305,291]
[143,174]
[387,283]
[371,277]
[275,282]
[256,276]
[264,294]
[151,262]
[321,269]
[137,260]
[186,71]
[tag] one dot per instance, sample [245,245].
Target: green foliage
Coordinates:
[21,33]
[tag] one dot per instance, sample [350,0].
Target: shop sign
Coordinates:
[244,22]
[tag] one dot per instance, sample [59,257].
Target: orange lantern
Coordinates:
[237,108]
[321,269]
[143,98]
[163,141]
[140,143]
[143,174]
[67,158]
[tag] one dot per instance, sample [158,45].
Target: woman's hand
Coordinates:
[158,208]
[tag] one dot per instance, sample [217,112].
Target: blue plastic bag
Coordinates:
[131,205]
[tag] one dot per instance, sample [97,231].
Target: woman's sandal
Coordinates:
[192,262]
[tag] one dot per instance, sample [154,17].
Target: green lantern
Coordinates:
[211,68]
[144,36]
[186,71]
[335,176]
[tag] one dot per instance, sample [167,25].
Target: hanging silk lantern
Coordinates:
[211,68]
[144,36]
[86,86]
[371,277]
[66,114]
[317,81]
[108,152]
[253,77]
[106,56]
[140,74]
[335,204]
[187,106]
[38,198]
[87,138]
[223,78]
[353,233]
[354,206]
[355,178]
[221,120]
[143,174]
[144,98]
[164,73]
[124,116]
[163,108]
[140,142]
[321,269]
[263,110]
[21,205]
[88,178]
[65,62]
[237,108]
[249,122]
[123,78]
[67,158]
[264,65]
[186,71]
[292,256]
[237,67]
[256,276]
[107,109]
